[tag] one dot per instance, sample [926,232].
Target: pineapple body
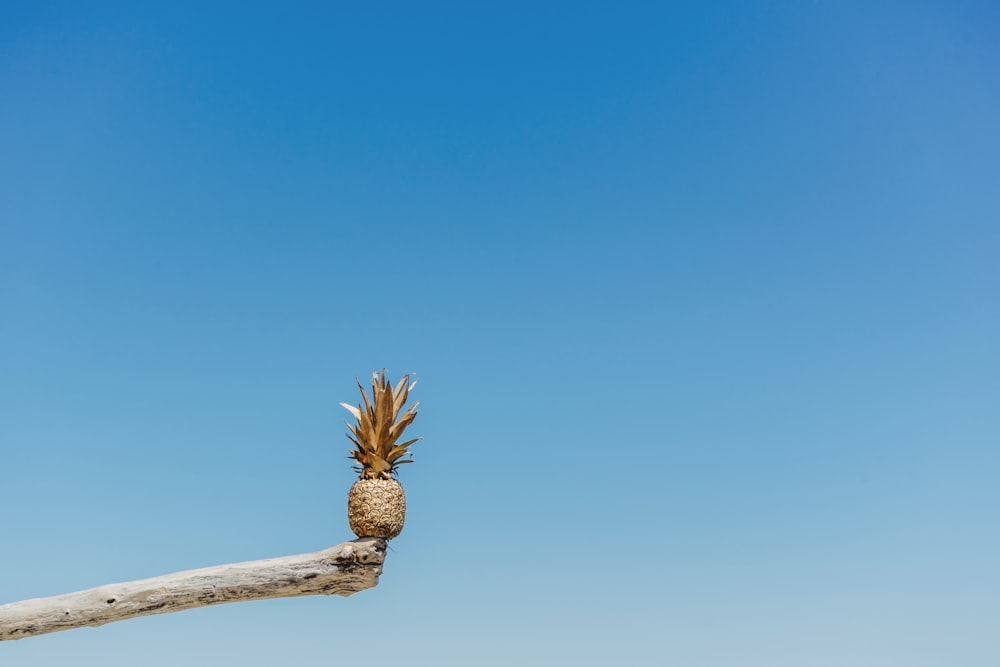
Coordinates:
[376,508]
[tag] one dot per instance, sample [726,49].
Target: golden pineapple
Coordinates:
[376,505]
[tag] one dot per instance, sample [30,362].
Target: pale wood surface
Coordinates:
[341,570]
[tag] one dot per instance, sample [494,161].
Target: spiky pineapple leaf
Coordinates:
[399,451]
[364,397]
[398,392]
[353,410]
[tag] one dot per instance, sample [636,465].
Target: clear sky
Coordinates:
[703,300]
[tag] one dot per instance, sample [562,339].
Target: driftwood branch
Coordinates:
[340,570]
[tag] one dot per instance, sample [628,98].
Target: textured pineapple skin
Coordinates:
[376,508]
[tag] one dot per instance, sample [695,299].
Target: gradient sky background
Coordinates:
[702,298]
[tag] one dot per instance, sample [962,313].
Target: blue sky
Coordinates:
[702,298]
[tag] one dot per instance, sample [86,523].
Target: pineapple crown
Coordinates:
[378,427]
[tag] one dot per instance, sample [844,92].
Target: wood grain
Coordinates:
[341,570]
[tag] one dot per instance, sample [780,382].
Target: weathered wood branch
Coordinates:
[340,570]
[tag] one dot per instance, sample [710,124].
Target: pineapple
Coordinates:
[376,505]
